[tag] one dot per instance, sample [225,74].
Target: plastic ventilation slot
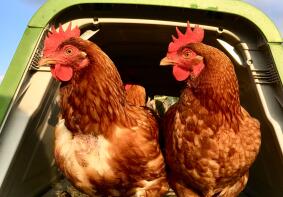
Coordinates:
[36,58]
[265,76]
[37,55]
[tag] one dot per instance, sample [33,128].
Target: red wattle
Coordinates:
[53,73]
[62,73]
[180,73]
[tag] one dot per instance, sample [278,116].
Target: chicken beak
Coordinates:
[46,62]
[166,62]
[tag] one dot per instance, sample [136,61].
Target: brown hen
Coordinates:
[210,140]
[135,94]
[103,145]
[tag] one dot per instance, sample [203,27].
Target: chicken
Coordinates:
[103,145]
[210,140]
[135,94]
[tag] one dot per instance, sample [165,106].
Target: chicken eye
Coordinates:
[186,53]
[69,51]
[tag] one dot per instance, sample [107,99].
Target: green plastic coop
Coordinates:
[135,34]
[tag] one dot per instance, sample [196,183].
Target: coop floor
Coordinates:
[63,188]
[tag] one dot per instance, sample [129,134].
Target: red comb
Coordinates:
[54,38]
[190,36]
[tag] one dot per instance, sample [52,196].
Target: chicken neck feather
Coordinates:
[217,86]
[95,96]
